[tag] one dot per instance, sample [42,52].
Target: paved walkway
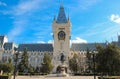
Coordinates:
[45,77]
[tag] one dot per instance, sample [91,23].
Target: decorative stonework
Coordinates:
[61,34]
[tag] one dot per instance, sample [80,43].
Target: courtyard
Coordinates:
[51,77]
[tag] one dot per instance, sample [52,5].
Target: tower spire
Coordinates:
[68,17]
[61,16]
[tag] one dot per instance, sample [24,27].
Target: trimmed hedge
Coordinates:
[5,77]
[24,74]
[84,74]
[113,77]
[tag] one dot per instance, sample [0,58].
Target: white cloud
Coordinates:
[81,5]
[115,18]
[16,30]
[2,3]
[51,34]
[21,13]
[84,4]
[26,6]
[40,42]
[78,40]
[50,41]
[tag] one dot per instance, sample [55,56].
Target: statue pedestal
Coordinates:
[62,72]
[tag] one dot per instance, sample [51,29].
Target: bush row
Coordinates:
[109,77]
[32,74]
[5,77]
[85,74]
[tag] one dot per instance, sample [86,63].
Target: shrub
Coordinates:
[5,77]
[112,77]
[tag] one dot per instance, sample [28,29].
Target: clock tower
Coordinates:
[61,35]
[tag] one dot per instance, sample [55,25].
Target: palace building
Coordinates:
[61,28]
[7,49]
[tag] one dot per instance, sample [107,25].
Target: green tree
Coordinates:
[108,59]
[88,55]
[6,67]
[74,65]
[31,69]
[37,70]
[89,60]
[46,65]
[23,65]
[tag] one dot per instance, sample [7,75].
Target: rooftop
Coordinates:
[36,47]
[85,46]
[61,16]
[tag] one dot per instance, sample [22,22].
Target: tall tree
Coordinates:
[46,65]
[74,65]
[108,59]
[23,65]
[31,69]
[89,61]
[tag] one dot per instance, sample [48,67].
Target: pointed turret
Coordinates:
[61,16]
[54,19]
[68,18]
[118,40]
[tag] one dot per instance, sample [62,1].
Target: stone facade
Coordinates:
[36,52]
[7,49]
[61,34]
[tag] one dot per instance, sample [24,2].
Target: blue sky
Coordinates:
[30,21]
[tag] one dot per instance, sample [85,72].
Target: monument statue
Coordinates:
[62,69]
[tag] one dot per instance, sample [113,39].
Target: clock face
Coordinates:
[61,35]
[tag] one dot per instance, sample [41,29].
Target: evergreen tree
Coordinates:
[46,65]
[108,59]
[31,69]
[89,60]
[23,65]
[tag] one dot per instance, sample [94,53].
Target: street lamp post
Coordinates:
[43,64]
[15,66]
[94,64]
